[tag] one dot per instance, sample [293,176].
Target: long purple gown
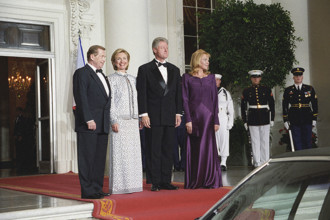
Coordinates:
[200,103]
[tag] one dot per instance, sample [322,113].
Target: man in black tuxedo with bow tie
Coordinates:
[160,105]
[92,120]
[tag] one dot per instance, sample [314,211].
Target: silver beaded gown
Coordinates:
[125,164]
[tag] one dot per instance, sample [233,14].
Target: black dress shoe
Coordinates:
[223,168]
[104,194]
[95,196]
[155,188]
[168,186]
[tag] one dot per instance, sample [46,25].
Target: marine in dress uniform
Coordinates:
[300,110]
[258,112]
[226,119]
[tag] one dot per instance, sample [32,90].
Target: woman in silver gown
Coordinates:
[125,171]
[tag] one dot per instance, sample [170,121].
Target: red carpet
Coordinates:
[165,204]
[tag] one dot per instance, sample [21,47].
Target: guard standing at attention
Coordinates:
[258,113]
[226,119]
[300,110]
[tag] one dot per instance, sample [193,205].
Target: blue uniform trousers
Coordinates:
[302,136]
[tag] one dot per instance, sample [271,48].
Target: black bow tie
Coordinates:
[100,71]
[164,64]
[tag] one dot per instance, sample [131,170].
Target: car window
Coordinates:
[286,190]
[312,200]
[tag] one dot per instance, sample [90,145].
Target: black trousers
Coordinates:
[179,156]
[159,154]
[92,149]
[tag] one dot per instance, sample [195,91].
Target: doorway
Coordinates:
[25,116]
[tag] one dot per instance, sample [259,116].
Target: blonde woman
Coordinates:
[200,103]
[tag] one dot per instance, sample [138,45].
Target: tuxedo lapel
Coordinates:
[158,76]
[97,80]
[170,76]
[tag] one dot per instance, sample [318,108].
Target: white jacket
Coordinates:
[226,108]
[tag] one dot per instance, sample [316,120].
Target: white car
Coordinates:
[290,186]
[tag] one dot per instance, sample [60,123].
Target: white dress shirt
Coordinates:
[298,86]
[163,70]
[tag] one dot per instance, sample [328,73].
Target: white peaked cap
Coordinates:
[255,72]
[218,76]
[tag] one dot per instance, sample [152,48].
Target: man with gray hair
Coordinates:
[160,105]
[91,91]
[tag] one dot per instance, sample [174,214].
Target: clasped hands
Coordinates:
[189,127]
[115,127]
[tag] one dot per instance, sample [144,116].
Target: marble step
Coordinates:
[64,212]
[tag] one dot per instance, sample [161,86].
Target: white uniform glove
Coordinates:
[271,123]
[229,127]
[286,125]
[245,126]
[314,123]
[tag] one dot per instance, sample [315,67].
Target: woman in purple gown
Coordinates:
[200,103]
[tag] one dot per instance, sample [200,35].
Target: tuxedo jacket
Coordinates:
[92,101]
[162,101]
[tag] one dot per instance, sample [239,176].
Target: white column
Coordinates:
[166,20]
[299,15]
[175,33]
[126,26]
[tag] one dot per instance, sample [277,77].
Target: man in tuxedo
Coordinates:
[160,106]
[91,92]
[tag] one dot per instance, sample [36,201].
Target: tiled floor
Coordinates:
[16,201]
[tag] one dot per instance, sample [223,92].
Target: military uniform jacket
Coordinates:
[299,107]
[257,105]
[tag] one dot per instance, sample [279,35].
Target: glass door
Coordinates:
[43,121]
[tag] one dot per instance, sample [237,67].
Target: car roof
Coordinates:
[314,154]
[321,151]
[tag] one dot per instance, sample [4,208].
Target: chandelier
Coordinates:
[17,82]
